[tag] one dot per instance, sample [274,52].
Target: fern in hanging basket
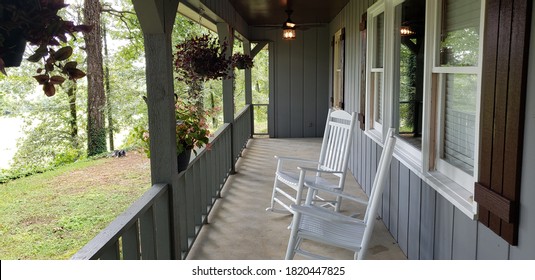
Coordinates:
[201,59]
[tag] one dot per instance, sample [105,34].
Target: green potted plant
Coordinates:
[191,132]
[37,23]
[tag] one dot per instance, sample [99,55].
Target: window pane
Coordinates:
[377,89]
[459,121]
[379,40]
[460,33]
[409,32]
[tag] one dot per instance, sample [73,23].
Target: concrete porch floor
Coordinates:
[239,227]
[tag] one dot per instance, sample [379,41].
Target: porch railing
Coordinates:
[148,229]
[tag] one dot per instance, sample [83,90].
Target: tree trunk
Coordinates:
[96,100]
[71,93]
[195,93]
[108,90]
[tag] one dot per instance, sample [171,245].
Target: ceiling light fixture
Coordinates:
[406,31]
[288,28]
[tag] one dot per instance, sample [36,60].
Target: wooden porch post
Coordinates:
[249,83]
[226,33]
[156,18]
[248,75]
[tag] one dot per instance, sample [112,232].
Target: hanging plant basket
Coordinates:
[201,59]
[13,46]
[242,61]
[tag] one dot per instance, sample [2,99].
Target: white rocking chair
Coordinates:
[329,171]
[333,228]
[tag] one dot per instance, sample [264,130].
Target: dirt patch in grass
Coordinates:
[111,172]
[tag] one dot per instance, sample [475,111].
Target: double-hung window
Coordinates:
[375,73]
[424,79]
[456,87]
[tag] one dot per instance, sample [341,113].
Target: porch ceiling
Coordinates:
[272,12]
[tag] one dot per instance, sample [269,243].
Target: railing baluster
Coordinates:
[203,184]
[131,250]
[146,229]
[111,252]
[197,194]
[183,213]
[190,204]
[162,226]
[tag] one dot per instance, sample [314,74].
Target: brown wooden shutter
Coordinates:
[362,94]
[504,78]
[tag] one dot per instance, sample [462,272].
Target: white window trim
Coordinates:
[459,193]
[418,161]
[403,151]
[374,130]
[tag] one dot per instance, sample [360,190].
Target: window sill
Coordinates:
[375,135]
[454,193]
[447,188]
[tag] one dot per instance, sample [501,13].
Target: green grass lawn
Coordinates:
[54,214]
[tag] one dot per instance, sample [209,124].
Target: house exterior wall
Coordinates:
[423,222]
[299,80]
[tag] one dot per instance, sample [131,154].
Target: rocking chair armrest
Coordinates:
[331,190]
[324,214]
[319,170]
[279,158]
[337,193]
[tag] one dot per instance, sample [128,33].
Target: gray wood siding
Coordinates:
[425,224]
[300,87]
[226,13]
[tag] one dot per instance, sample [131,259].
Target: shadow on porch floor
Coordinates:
[239,227]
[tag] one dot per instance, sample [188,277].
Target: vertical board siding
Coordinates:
[403,212]
[415,189]
[227,13]
[300,81]
[427,222]
[296,86]
[443,229]
[322,82]
[394,198]
[282,90]
[309,86]
[490,246]
[465,236]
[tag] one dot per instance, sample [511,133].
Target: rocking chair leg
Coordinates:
[293,243]
[275,186]
[338,204]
